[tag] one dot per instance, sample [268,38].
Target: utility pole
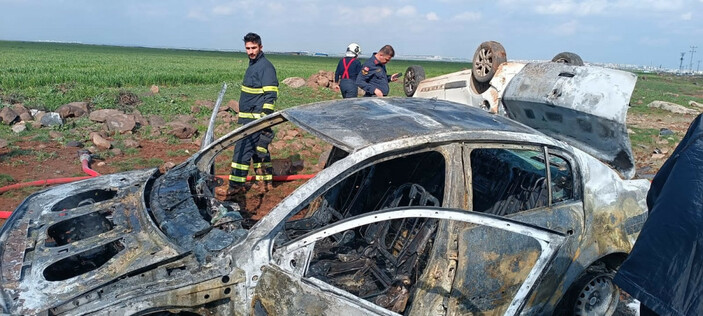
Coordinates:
[693,50]
[681,63]
[699,66]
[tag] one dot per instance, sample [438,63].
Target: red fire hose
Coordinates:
[85,158]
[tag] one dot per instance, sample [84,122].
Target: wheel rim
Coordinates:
[409,79]
[484,62]
[597,297]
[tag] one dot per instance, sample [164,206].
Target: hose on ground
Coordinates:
[85,159]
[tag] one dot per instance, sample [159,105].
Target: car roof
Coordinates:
[355,123]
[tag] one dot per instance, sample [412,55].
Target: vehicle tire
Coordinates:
[413,76]
[568,58]
[594,293]
[487,58]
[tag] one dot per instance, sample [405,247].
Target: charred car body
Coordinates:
[424,207]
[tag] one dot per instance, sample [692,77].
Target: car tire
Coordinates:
[594,293]
[413,76]
[488,56]
[568,58]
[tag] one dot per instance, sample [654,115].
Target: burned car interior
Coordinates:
[506,181]
[378,262]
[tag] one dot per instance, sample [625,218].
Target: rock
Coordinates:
[184,118]
[120,123]
[671,107]
[629,131]
[101,142]
[676,95]
[665,132]
[198,142]
[154,89]
[19,128]
[8,115]
[227,117]
[51,119]
[73,109]
[55,135]
[166,166]
[20,109]
[320,79]
[3,143]
[74,143]
[181,130]
[36,124]
[102,115]
[156,121]
[695,104]
[206,103]
[26,117]
[294,82]
[194,109]
[292,133]
[658,156]
[37,116]
[281,167]
[116,151]
[139,118]
[41,146]
[131,143]
[231,105]
[101,164]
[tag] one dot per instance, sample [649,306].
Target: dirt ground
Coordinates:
[47,160]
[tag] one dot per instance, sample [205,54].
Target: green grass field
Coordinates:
[48,75]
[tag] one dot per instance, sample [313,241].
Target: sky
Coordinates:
[640,32]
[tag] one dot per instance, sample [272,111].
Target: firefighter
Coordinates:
[347,70]
[373,78]
[259,92]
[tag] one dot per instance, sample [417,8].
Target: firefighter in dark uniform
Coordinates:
[259,92]
[348,69]
[373,78]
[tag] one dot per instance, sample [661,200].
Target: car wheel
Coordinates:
[487,58]
[568,58]
[594,293]
[413,76]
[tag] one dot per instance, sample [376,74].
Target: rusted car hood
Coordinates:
[585,106]
[67,240]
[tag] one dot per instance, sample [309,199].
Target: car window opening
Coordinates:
[379,262]
[507,181]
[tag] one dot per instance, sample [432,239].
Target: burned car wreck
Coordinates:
[424,207]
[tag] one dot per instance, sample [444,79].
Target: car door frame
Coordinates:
[302,249]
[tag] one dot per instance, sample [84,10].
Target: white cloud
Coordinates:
[275,6]
[222,10]
[196,14]
[433,16]
[687,16]
[656,42]
[588,7]
[359,15]
[565,29]
[467,16]
[407,11]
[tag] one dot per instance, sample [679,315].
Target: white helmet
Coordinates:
[353,50]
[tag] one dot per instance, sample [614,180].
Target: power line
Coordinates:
[693,50]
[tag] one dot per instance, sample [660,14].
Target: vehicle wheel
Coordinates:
[487,58]
[568,58]
[594,293]
[413,76]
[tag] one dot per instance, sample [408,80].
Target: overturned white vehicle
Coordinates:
[425,207]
